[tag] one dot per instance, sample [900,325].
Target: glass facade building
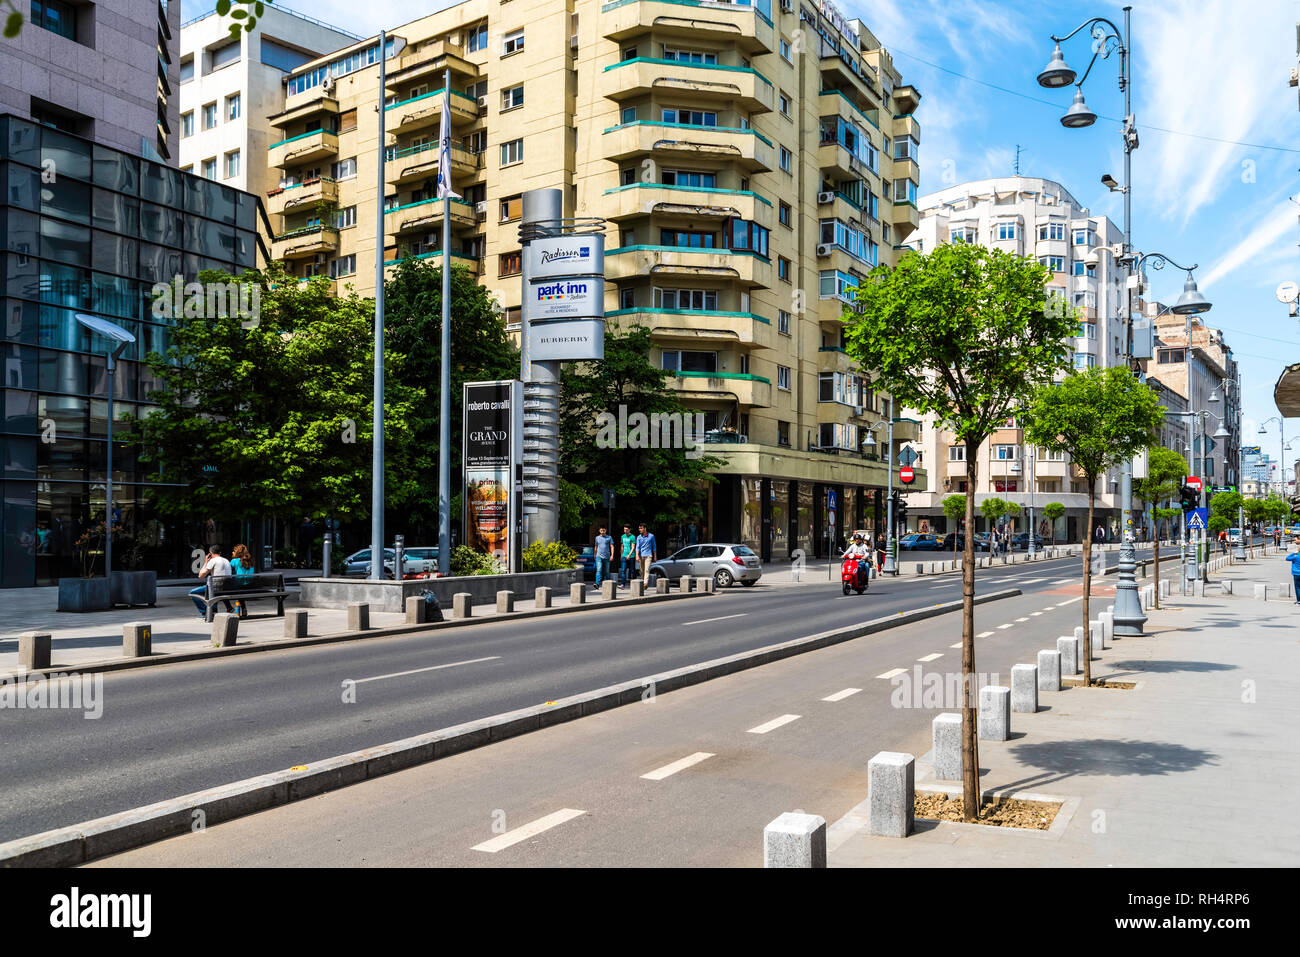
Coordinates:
[86,228]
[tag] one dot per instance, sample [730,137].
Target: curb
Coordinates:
[114,833]
[279,644]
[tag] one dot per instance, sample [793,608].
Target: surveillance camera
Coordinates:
[1092,259]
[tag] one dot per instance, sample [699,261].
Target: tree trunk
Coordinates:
[1087,584]
[969,746]
[1155,558]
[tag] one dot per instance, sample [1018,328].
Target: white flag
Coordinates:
[444,149]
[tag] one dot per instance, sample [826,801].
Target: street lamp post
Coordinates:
[890,568]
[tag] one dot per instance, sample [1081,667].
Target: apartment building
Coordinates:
[752,162]
[105,71]
[1041,219]
[228,88]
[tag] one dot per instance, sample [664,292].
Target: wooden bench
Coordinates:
[244,588]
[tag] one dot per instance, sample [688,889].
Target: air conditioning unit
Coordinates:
[823,249]
[482,102]
[787,6]
[1015,466]
[573,41]
[826,196]
[480,209]
[327,85]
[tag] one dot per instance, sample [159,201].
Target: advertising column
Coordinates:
[493,450]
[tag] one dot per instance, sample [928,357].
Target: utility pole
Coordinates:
[377,441]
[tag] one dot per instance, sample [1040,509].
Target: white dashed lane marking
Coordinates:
[984,634]
[670,769]
[841,695]
[1007,625]
[524,832]
[893,674]
[775,723]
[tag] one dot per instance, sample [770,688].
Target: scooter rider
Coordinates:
[858,549]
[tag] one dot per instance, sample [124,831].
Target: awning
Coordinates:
[1286,394]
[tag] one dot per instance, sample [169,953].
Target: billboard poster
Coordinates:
[571,297]
[566,256]
[581,339]
[492,446]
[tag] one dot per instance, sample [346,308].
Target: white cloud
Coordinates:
[1278,226]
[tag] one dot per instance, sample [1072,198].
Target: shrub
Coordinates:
[548,556]
[466,561]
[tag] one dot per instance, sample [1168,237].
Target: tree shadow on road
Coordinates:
[1127,669]
[1098,756]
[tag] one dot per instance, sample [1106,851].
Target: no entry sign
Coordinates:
[906,475]
[1194,482]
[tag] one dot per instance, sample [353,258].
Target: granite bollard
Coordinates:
[505,601]
[661,586]
[686,584]
[225,630]
[608,590]
[705,584]
[1107,619]
[1024,688]
[578,593]
[295,622]
[636,589]
[414,609]
[542,597]
[137,639]
[945,731]
[358,616]
[1070,649]
[891,793]
[1261,591]
[795,840]
[1049,671]
[34,650]
[1226,586]
[1097,635]
[995,713]
[462,605]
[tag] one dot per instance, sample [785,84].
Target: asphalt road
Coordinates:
[170,730]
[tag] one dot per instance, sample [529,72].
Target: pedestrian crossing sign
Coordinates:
[1196,519]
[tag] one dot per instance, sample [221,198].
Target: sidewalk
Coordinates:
[1195,766]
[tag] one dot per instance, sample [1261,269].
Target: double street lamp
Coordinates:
[889,567]
[1283,446]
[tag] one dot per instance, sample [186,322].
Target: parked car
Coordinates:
[415,561]
[981,542]
[1021,542]
[587,562]
[725,564]
[920,542]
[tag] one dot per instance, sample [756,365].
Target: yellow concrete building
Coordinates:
[752,161]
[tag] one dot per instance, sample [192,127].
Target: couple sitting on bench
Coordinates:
[218,567]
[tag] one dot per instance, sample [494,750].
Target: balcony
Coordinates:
[425,112]
[671,143]
[906,168]
[330,284]
[839,258]
[413,164]
[646,199]
[906,218]
[838,71]
[906,99]
[686,263]
[841,208]
[312,104]
[458,260]
[717,329]
[745,388]
[908,430]
[836,161]
[431,61]
[725,23]
[906,125]
[834,359]
[301,196]
[425,215]
[305,242]
[303,148]
[642,76]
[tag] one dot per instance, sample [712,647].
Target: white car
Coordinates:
[416,561]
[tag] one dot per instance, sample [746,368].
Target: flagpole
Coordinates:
[377,443]
[444,407]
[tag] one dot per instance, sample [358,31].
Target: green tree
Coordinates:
[954,510]
[481,350]
[965,333]
[663,485]
[1053,512]
[275,420]
[1099,417]
[1165,472]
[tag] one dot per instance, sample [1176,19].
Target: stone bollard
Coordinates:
[1049,671]
[686,584]
[636,588]
[505,601]
[1078,636]
[795,840]
[1024,688]
[705,584]
[608,590]
[1097,635]
[995,713]
[462,605]
[414,608]
[1069,650]
[1226,586]
[137,639]
[358,616]
[1261,591]
[1198,588]
[1164,588]
[661,586]
[578,593]
[295,622]
[891,793]
[920,568]
[34,650]
[225,630]
[542,597]
[945,731]
[1107,619]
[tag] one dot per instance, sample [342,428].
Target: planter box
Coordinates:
[390,596]
[135,588]
[83,594]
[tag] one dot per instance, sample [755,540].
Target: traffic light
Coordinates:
[1190,496]
[900,509]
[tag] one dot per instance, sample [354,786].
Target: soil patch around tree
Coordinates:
[996,812]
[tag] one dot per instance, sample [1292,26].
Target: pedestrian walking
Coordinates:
[216,566]
[1294,559]
[645,551]
[880,553]
[241,563]
[627,557]
[604,554]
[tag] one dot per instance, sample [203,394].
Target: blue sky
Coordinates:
[1204,71]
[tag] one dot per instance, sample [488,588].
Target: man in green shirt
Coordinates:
[627,567]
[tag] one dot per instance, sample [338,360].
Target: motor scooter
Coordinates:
[853,577]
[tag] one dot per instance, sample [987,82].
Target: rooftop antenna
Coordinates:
[1018,149]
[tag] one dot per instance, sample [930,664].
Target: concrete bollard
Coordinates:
[995,713]
[608,590]
[1049,671]
[705,584]
[225,630]
[1069,649]
[636,588]
[1107,619]
[137,639]
[1097,635]
[358,616]
[1024,688]
[462,605]
[945,732]
[1164,588]
[795,840]
[542,597]
[295,622]
[686,584]
[1226,586]
[920,568]
[661,586]
[34,650]
[891,793]
[505,601]
[1261,592]
[578,592]
[414,608]
[1198,588]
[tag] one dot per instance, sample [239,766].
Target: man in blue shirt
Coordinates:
[1294,559]
[604,552]
[645,552]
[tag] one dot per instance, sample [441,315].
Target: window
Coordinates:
[691,299]
[785,50]
[512,207]
[512,97]
[512,42]
[833,284]
[783,322]
[783,102]
[233,106]
[1006,453]
[343,266]
[510,264]
[476,142]
[232,164]
[1006,485]
[478,38]
[689,56]
[691,117]
[1084,237]
[906,148]
[783,268]
[689,238]
[963,234]
[1006,230]
[744,235]
[783,377]
[1054,263]
[681,177]
[1172,356]
[956,453]
[629,53]
[187,69]
[787,159]
[512,152]
[209,116]
[210,168]
[1052,231]
[1051,455]
[1083,269]
[682,361]
[783,214]
[224,55]
[55,16]
[187,124]
[344,169]
[345,217]
[629,114]
[1084,360]
[904,191]
[852,241]
[840,387]
[783,434]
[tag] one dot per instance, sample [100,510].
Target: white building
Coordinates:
[1037,218]
[229,88]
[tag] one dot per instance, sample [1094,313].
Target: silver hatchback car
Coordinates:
[725,564]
